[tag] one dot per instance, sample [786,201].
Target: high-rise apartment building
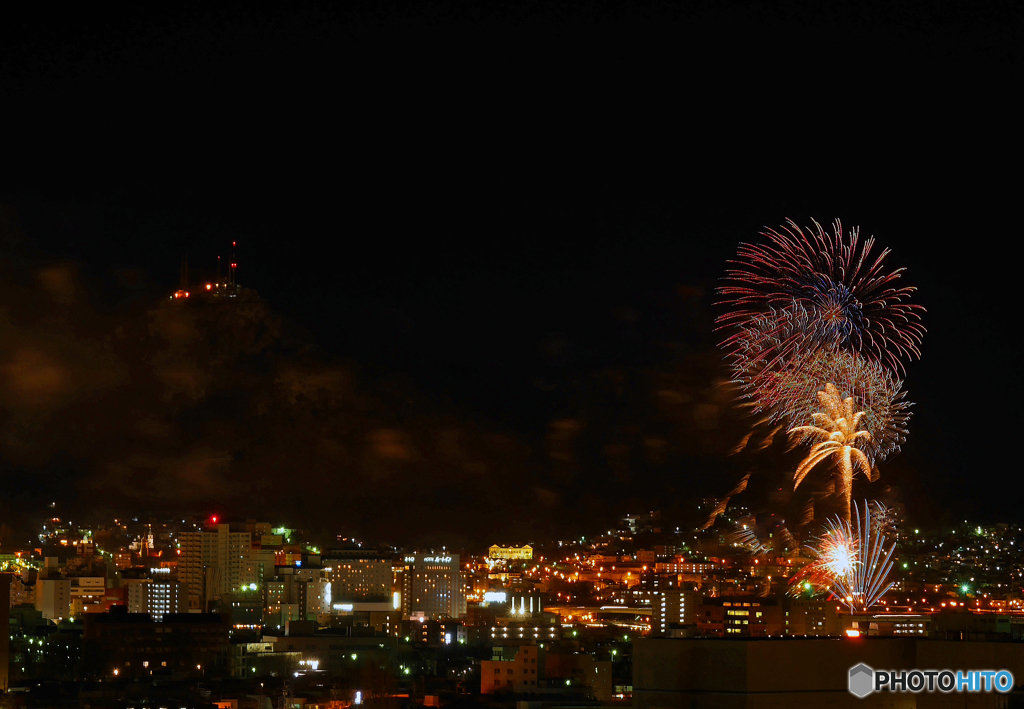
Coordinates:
[257,567]
[432,585]
[212,562]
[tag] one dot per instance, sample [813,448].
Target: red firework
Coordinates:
[812,290]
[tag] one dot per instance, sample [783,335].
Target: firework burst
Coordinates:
[852,561]
[838,435]
[814,290]
[873,390]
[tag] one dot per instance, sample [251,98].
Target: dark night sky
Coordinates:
[488,221]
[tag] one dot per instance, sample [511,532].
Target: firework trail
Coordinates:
[764,538]
[724,502]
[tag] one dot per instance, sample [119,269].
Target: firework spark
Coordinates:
[852,561]
[838,434]
[816,290]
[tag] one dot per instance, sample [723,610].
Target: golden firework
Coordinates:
[836,433]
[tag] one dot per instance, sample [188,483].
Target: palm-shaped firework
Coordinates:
[852,561]
[837,430]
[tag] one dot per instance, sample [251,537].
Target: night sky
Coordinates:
[486,239]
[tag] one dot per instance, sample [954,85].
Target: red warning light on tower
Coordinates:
[214,519]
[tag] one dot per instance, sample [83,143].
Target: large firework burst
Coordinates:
[852,561]
[817,290]
[839,436]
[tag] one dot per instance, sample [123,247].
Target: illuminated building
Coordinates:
[673,606]
[156,597]
[257,566]
[432,585]
[904,624]
[737,616]
[357,576]
[518,674]
[810,617]
[212,562]
[523,553]
[87,593]
[646,556]
[505,630]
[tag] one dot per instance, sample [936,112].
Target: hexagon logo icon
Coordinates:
[862,680]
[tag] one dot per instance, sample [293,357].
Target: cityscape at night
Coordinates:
[515,355]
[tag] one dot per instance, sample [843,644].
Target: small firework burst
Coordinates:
[851,561]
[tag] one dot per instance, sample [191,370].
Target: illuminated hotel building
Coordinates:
[432,585]
[358,577]
[523,553]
